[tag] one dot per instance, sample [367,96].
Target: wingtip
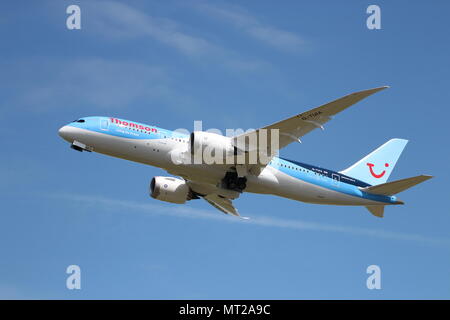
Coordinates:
[381,88]
[371,91]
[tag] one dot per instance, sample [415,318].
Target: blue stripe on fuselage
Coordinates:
[327,179]
[330,173]
[137,131]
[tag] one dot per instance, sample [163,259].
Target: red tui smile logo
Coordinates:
[378,176]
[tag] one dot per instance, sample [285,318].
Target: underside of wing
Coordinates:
[223,204]
[292,129]
[219,198]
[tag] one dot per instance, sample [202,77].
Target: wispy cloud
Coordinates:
[94,83]
[114,19]
[253,27]
[258,220]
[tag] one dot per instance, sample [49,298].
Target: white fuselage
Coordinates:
[280,177]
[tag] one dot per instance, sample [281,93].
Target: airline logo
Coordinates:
[375,175]
[132,125]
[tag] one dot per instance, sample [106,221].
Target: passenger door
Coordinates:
[104,124]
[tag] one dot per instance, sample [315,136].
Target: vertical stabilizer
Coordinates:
[377,211]
[376,167]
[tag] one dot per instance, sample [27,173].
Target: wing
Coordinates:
[223,204]
[292,129]
[219,198]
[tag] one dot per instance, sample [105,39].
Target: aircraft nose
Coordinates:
[64,132]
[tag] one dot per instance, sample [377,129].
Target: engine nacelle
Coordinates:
[211,147]
[169,189]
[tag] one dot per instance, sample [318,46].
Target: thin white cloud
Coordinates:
[114,19]
[240,19]
[258,220]
[93,83]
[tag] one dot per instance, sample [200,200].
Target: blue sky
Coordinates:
[230,64]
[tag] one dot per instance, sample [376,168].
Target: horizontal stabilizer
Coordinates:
[377,211]
[394,187]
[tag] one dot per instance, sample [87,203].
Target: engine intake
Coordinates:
[170,190]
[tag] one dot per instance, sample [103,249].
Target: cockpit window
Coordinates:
[79,120]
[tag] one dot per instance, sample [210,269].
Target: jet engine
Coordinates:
[170,190]
[211,147]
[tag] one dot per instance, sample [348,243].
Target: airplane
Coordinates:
[362,184]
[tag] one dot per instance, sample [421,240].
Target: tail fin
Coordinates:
[377,211]
[394,187]
[376,167]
